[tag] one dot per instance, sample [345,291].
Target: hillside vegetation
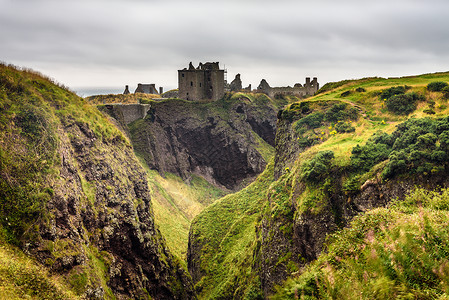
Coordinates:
[74,197]
[122,98]
[350,150]
[176,203]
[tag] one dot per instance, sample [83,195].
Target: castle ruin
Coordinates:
[298,90]
[203,83]
[236,85]
[145,88]
[207,82]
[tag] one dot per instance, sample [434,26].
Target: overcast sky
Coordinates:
[99,46]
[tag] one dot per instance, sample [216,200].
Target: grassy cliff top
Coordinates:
[121,98]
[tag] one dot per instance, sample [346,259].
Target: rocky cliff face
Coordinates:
[102,201]
[224,142]
[292,236]
[96,225]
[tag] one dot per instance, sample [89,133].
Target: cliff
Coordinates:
[74,196]
[344,153]
[227,142]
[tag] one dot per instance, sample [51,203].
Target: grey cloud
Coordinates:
[282,38]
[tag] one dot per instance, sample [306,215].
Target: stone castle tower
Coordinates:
[203,83]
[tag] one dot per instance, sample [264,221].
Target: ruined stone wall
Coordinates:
[128,113]
[288,91]
[309,89]
[190,84]
[216,85]
[204,83]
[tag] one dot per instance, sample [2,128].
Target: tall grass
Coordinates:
[388,253]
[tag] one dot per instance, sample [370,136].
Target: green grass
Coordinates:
[228,240]
[176,203]
[23,278]
[227,235]
[121,98]
[388,253]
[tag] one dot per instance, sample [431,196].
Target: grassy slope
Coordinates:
[227,227]
[399,252]
[375,117]
[22,278]
[176,203]
[31,108]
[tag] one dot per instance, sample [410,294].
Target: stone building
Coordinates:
[203,83]
[298,90]
[126,92]
[146,88]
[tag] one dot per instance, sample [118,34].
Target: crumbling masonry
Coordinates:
[298,90]
[203,83]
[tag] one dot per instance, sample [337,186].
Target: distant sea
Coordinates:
[86,92]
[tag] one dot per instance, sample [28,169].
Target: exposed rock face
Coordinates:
[93,224]
[217,144]
[102,200]
[305,241]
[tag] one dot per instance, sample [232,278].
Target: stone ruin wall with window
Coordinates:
[203,83]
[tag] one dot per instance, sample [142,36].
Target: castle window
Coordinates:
[191,83]
[182,74]
[200,84]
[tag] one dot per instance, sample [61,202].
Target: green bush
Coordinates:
[396,90]
[445,91]
[346,93]
[403,104]
[316,169]
[363,158]
[417,146]
[312,120]
[436,86]
[343,127]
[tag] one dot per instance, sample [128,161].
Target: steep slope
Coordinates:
[388,253]
[339,154]
[75,197]
[227,142]
[222,241]
[176,203]
[201,151]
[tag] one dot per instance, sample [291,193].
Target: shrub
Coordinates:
[403,104]
[416,147]
[312,120]
[343,127]
[445,91]
[436,86]
[396,90]
[345,94]
[318,167]
[338,113]
[360,90]
[363,158]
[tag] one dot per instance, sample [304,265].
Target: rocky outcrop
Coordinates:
[102,203]
[87,213]
[218,143]
[304,240]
